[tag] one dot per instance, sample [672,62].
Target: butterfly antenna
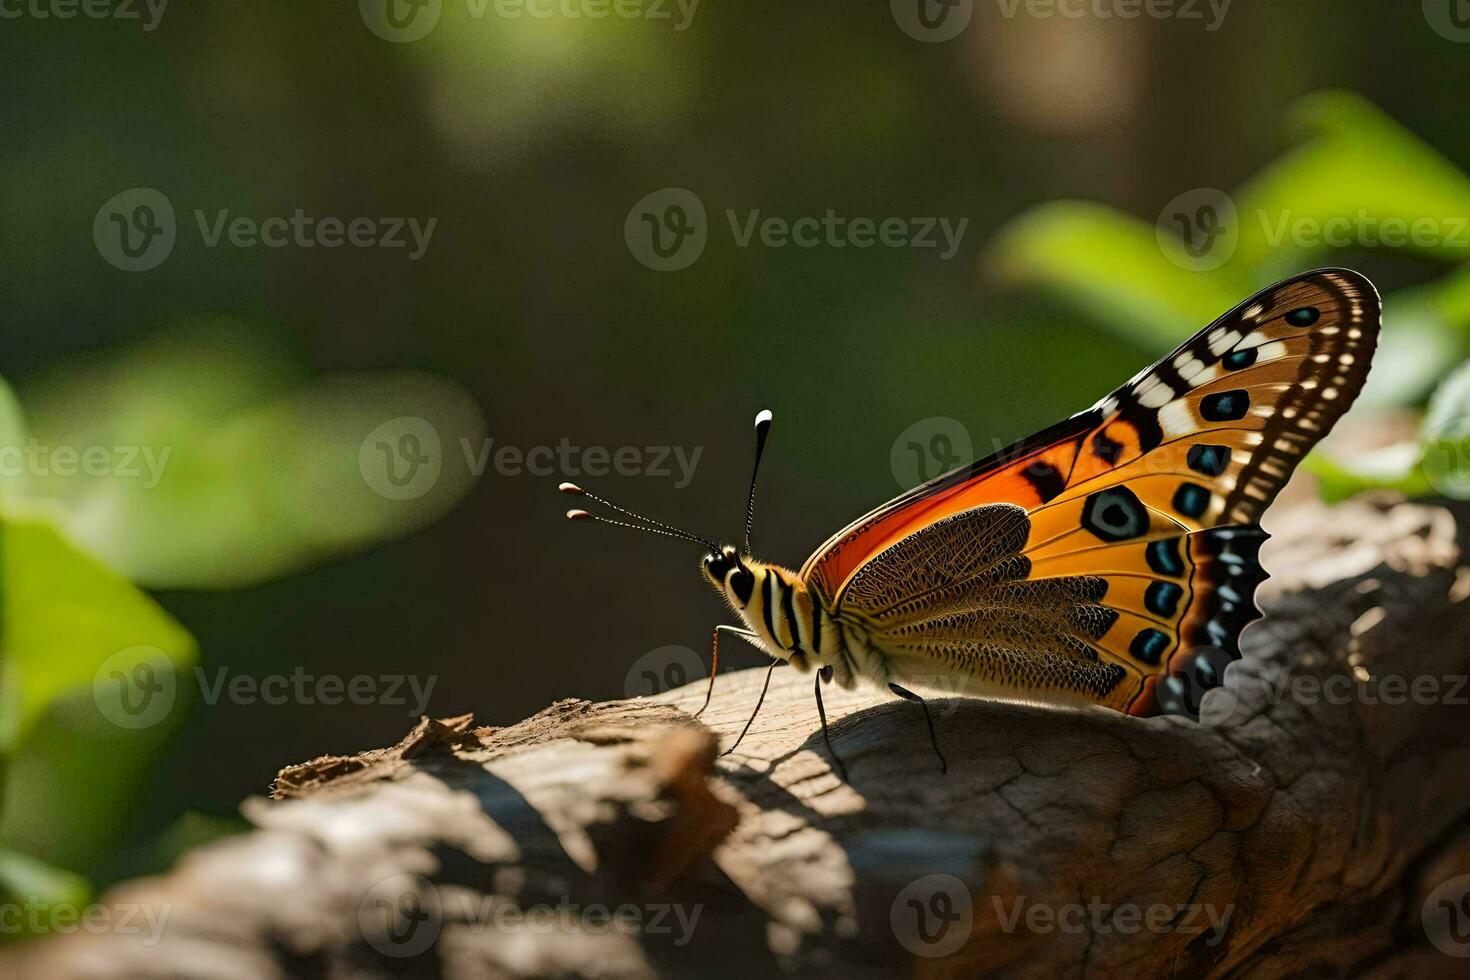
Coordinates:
[649,524]
[762,428]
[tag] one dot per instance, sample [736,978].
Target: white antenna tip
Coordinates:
[578,515]
[571,488]
[763,417]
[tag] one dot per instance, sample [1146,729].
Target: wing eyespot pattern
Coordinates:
[1225,406]
[1115,514]
[1163,557]
[1149,645]
[1208,460]
[1157,490]
[1191,499]
[1239,360]
[1162,599]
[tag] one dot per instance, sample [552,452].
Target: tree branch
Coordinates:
[1298,829]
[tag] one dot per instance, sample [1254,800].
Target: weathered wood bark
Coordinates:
[1298,830]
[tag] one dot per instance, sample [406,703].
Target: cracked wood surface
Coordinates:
[1297,830]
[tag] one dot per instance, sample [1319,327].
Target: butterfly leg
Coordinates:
[714,666]
[904,692]
[759,701]
[826,674]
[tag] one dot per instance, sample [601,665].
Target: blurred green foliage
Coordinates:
[1352,165]
[247,469]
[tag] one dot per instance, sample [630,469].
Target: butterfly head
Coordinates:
[730,574]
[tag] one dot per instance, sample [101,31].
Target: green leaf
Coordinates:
[91,692]
[1445,435]
[223,470]
[1355,165]
[65,614]
[33,887]
[1424,328]
[1111,264]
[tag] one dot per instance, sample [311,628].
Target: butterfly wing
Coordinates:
[1144,506]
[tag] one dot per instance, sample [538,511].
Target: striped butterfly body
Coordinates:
[1111,558]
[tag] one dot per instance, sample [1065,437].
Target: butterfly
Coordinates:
[1112,558]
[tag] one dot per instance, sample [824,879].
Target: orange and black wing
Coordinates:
[1138,515]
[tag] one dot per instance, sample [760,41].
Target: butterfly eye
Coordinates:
[715,566]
